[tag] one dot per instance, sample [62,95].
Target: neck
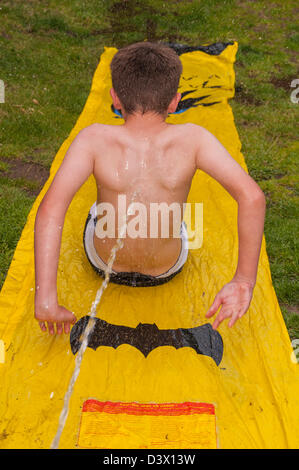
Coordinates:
[149,122]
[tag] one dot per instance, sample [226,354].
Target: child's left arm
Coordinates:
[76,167]
[213,158]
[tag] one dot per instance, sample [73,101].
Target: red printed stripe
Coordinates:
[154,409]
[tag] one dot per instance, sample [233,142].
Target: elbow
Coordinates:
[40,219]
[42,212]
[47,212]
[259,198]
[255,198]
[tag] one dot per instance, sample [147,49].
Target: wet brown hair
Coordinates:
[145,77]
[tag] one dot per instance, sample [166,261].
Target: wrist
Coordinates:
[44,301]
[244,279]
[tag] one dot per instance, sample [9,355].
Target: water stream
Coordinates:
[64,413]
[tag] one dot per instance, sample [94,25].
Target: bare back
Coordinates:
[145,168]
[149,161]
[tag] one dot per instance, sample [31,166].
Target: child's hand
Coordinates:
[56,314]
[235,298]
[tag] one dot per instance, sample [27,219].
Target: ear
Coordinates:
[174,103]
[115,99]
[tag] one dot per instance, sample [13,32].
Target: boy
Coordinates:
[147,160]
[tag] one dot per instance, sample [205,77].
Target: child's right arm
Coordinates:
[76,167]
[211,157]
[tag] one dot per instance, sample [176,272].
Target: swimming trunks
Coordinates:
[134,279]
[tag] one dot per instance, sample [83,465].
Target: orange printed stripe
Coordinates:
[153,409]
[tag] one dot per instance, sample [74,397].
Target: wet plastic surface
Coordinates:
[254,390]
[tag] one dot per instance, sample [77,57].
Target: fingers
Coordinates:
[51,328]
[60,327]
[214,307]
[242,313]
[59,322]
[234,315]
[42,326]
[67,325]
[219,319]
[233,319]
[66,328]
[68,320]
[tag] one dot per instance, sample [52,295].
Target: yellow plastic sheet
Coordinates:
[254,390]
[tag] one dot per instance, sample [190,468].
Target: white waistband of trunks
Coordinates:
[98,262]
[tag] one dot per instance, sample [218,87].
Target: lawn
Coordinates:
[49,51]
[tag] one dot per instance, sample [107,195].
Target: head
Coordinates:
[145,78]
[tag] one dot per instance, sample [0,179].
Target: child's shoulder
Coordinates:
[96,128]
[188,127]
[190,131]
[104,132]
[94,131]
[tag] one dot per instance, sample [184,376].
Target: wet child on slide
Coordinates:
[149,161]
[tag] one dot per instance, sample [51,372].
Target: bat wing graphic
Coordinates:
[146,337]
[184,104]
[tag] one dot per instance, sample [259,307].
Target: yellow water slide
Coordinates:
[171,395]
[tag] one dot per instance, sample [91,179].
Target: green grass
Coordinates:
[14,206]
[49,51]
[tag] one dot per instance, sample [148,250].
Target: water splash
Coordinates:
[64,413]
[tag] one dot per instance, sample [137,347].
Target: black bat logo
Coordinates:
[211,49]
[184,104]
[146,337]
